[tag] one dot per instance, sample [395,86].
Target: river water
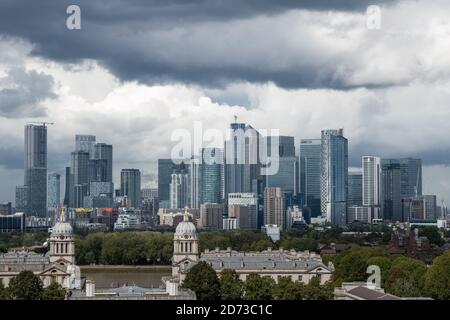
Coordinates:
[117,279]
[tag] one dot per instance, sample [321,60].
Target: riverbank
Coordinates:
[125,269]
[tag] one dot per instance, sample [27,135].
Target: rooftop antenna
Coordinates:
[235,118]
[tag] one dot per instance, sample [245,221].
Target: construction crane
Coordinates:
[42,123]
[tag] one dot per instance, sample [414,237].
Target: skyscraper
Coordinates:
[211,216]
[130,186]
[53,190]
[165,169]
[310,150]
[287,175]
[36,169]
[371,181]
[355,180]
[79,178]
[402,178]
[391,187]
[334,176]
[242,164]
[103,151]
[244,207]
[67,190]
[274,207]
[211,176]
[179,191]
[84,142]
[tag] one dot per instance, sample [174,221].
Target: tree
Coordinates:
[315,291]
[203,280]
[437,278]
[231,287]
[433,234]
[54,292]
[4,294]
[406,277]
[286,289]
[259,288]
[25,286]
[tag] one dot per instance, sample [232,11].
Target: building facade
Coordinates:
[130,187]
[274,207]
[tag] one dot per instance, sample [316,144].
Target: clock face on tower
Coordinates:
[186,236]
[61,237]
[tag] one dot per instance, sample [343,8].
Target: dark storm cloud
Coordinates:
[11,157]
[129,38]
[22,91]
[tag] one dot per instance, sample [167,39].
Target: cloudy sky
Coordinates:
[138,70]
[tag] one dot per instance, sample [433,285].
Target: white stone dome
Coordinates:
[186,228]
[62,228]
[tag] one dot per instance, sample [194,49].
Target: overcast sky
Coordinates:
[138,70]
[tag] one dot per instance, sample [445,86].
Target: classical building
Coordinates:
[300,266]
[57,265]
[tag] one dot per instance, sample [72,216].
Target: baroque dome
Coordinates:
[186,228]
[62,228]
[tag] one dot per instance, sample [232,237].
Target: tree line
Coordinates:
[203,280]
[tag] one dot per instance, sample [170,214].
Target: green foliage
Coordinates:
[433,234]
[4,293]
[240,240]
[54,292]
[25,286]
[406,277]
[351,265]
[203,280]
[231,287]
[259,288]
[315,291]
[437,278]
[384,263]
[12,240]
[286,289]
[127,248]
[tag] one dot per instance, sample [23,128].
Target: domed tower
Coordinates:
[185,244]
[62,241]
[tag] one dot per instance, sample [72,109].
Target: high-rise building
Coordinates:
[53,190]
[165,169]
[211,176]
[286,176]
[391,199]
[334,176]
[179,191]
[21,199]
[371,181]
[211,216]
[244,207]
[419,209]
[79,178]
[310,150]
[355,180]
[401,179]
[67,189]
[5,208]
[36,169]
[274,207]
[242,163]
[84,142]
[130,187]
[103,151]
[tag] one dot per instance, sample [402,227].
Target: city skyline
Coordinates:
[325,69]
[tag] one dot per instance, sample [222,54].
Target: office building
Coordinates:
[179,191]
[419,209]
[21,199]
[79,178]
[130,187]
[67,190]
[355,180]
[166,167]
[334,176]
[36,169]
[242,163]
[309,171]
[84,142]
[53,190]
[274,207]
[103,151]
[371,181]
[5,208]
[211,176]
[244,207]
[211,216]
